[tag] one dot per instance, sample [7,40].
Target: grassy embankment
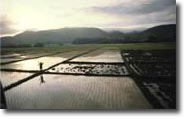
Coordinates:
[127,46]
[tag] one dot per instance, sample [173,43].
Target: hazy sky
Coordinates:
[20,15]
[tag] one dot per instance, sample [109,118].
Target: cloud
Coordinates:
[135,8]
[139,13]
[6,26]
[47,14]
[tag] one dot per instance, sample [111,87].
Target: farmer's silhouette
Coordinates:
[41,65]
[41,68]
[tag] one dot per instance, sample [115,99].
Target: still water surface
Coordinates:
[77,92]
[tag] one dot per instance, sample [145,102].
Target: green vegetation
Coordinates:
[141,46]
[127,46]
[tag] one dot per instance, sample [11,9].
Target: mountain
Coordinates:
[63,36]
[117,34]
[163,33]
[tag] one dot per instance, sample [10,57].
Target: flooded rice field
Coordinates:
[77,92]
[8,78]
[156,71]
[91,79]
[18,57]
[101,56]
[33,64]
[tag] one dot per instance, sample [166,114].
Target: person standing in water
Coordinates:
[41,68]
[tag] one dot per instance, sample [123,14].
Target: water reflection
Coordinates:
[104,56]
[32,64]
[77,92]
[41,77]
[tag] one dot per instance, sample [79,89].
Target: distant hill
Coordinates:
[63,36]
[163,33]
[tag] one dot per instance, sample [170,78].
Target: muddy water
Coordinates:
[77,92]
